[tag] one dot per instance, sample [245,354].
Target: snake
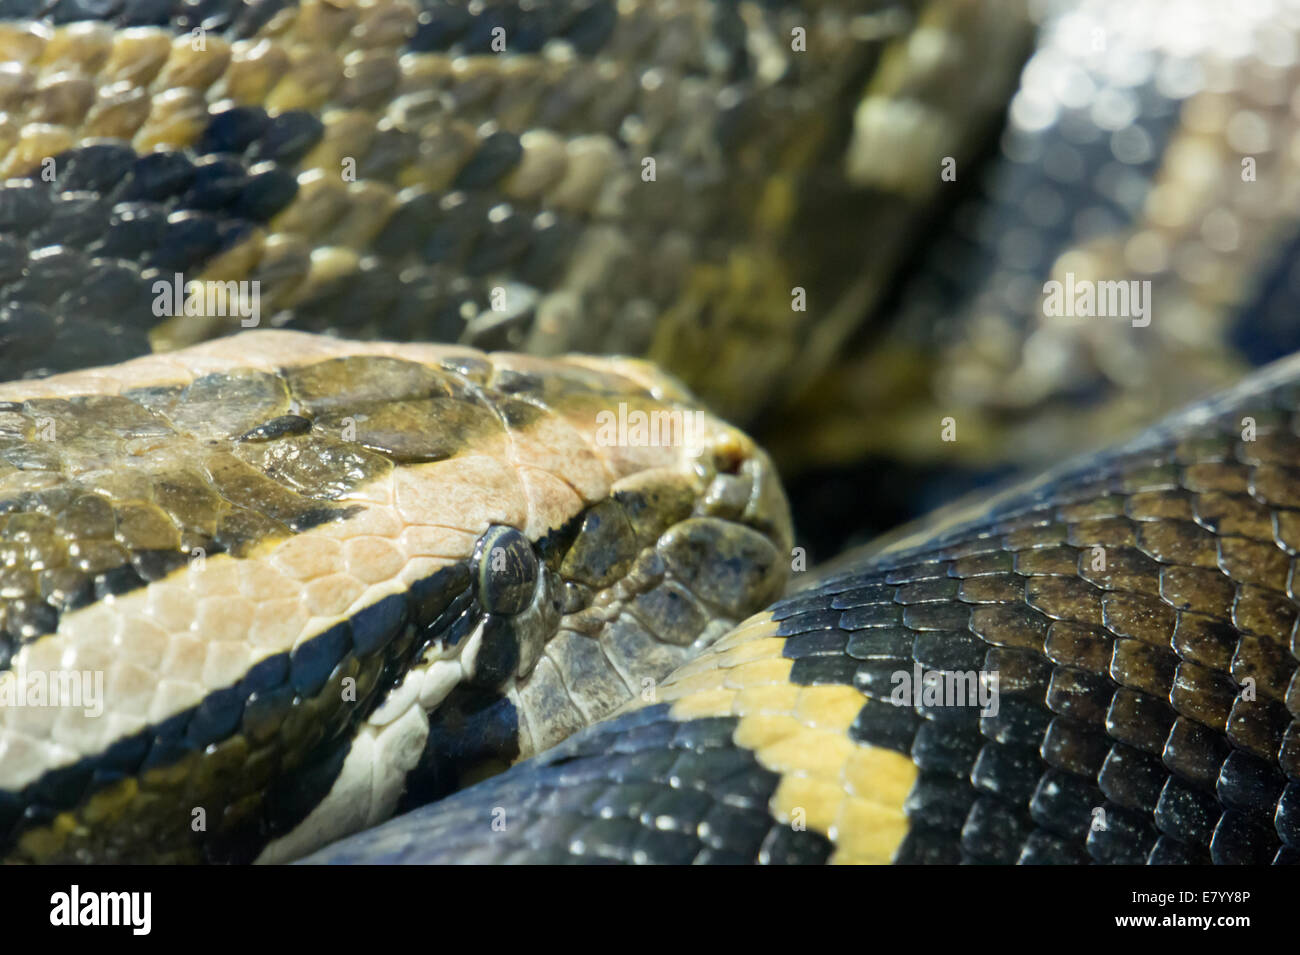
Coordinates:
[1117,607]
[460,555]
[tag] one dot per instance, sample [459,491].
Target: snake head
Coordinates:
[368,571]
[650,528]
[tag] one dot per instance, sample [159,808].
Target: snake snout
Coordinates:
[634,529]
[570,625]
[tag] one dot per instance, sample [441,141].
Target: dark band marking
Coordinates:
[79,256]
[452,28]
[257,713]
[476,735]
[240,18]
[642,787]
[285,716]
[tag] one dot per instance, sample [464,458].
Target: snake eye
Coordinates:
[505,570]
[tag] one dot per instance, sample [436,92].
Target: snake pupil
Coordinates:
[506,570]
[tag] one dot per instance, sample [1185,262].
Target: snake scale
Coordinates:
[415,571]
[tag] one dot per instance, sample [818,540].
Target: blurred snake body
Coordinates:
[314,575]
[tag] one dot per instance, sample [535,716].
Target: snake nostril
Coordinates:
[729,463]
[729,455]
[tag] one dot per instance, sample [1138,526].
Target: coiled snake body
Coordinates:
[263,592]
